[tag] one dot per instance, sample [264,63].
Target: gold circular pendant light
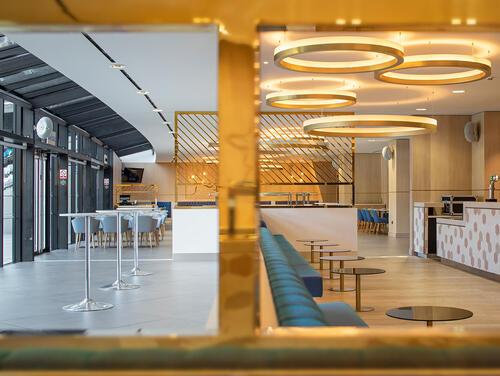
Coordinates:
[308,99]
[286,55]
[370,126]
[476,69]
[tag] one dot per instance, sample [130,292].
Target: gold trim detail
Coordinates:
[311,99]
[370,126]
[391,54]
[477,69]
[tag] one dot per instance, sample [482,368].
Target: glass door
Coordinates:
[9,155]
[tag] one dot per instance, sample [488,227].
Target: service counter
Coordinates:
[195,233]
[472,241]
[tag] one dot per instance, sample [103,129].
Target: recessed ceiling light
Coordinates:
[456,21]
[471,21]
[371,140]
[421,109]
[458,91]
[340,21]
[157,110]
[117,66]
[142,92]
[356,21]
[266,62]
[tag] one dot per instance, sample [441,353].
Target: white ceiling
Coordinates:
[375,97]
[179,69]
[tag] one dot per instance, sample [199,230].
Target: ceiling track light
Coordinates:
[391,53]
[142,92]
[477,69]
[117,66]
[311,99]
[157,110]
[372,126]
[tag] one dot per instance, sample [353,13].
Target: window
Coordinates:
[9,111]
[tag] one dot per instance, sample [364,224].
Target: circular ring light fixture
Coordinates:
[370,126]
[311,99]
[286,55]
[476,69]
[299,83]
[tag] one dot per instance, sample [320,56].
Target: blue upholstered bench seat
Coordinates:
[311,277]
[292,300]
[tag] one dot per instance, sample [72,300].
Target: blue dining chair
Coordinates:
[378,221]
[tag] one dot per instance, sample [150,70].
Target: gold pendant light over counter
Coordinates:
[310,99]
[370,126]
[476,69]
[286,55]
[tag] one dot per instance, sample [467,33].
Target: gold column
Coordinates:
[237,190]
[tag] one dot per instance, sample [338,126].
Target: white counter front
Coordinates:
[473,241]
[338,225]
[195,234]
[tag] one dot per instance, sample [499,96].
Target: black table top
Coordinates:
[322,244]
[311,240]
[429,313]
[342,258]
[358,271]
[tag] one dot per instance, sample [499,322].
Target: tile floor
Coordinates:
[180,297]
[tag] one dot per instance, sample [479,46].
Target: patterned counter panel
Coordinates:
[419,230]
[475,242]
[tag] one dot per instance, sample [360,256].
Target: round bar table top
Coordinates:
[358,271]
[429,313]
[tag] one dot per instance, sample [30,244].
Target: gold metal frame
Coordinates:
[370,126]
[284,55]
[314,99]
[238,28]
[477,69]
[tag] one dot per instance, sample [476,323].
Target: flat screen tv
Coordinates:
[132,175]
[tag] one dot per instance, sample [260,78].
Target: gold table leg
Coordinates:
[429,323]
[359,308]
[341,277]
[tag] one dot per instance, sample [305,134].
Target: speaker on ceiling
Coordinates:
[472,131]
[44,127]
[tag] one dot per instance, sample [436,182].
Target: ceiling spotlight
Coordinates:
[340,21]
[266,62]
[142,92]
[356,21]
[157,110]
[117,66]
[171,132]
[372,140]
[471,21]
[458,91]
[420,109]
[456,21]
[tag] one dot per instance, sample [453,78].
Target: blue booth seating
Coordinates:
[311,277]
[293,303]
